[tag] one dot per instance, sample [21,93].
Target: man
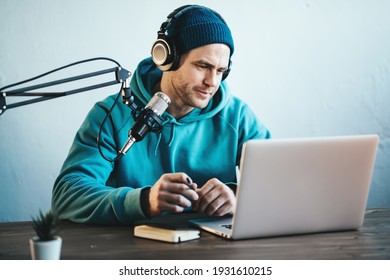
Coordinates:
[190,164]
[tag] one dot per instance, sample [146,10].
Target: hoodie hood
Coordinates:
[147,75]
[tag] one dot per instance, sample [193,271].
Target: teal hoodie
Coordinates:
[205,144]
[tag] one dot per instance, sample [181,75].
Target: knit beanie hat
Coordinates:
[197,27]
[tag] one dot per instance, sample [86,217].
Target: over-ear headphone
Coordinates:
[164,52]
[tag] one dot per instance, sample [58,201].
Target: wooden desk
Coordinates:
[80,241]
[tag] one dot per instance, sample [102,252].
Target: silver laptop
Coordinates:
[299,186]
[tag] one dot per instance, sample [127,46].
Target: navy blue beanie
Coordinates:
[197,27]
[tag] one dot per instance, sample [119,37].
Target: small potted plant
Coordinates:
[46,245]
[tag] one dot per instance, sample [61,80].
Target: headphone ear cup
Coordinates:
[164,53]
[226,73]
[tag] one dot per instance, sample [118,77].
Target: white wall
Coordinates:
[308,68]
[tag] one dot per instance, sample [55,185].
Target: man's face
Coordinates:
[198,78]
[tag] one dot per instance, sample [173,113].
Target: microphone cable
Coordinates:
[98,139]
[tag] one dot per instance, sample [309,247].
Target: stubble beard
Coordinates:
[188,95]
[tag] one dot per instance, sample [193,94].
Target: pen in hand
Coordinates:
[190,184]
[193,187]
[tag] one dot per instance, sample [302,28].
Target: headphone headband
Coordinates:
[181,10]
[164,51]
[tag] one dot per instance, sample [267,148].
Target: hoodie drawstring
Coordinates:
[172,137]
[157,144]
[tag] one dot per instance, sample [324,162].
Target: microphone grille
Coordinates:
[159,103]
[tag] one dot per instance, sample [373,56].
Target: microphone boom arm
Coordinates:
[121,76]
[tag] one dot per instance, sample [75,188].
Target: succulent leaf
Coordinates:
[46,225]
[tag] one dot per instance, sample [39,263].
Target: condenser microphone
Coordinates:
[148,120]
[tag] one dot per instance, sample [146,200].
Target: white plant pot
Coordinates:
[45,250]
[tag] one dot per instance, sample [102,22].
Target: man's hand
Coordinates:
[215,198]
[171,193]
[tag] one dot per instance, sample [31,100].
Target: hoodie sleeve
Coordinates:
[250,127]
[81,193]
